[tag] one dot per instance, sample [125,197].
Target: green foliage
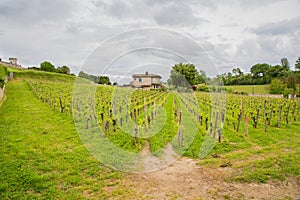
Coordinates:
[47,67]
[291,82]
[103,80]
[285,63]
[63,70]
[259,73]
[42,156]
[277,71]
[277,87]
[3,73]
[185,75]
[202,88]
[297,64]
[95,79]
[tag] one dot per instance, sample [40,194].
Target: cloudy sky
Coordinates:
[232,33]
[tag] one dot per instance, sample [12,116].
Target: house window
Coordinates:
[140,80]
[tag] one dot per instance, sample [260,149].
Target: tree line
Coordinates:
[49,67]
[261,73]
[281,77]
[96,79]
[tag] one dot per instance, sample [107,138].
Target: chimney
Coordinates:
[147,73]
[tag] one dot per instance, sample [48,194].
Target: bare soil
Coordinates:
[185,179]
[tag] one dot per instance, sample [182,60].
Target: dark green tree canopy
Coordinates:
[47,66]
[96,79]
[63,70]
[185,75]
[277,87]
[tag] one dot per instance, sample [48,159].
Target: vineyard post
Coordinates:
[145,109]
[266,122]
[270,117]
[294,110]
[136,131]
[265,109]
[279,116]
[216,123]
[246,125]
[114,124]
[256,119]
[240,117]
[180,136]
[287,114]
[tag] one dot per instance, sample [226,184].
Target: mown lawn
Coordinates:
[41,155]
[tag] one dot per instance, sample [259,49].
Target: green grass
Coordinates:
[42,156]
[260,157]
[3,73]
[41,75]
[258,89]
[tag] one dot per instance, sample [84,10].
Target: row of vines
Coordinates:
[130,117]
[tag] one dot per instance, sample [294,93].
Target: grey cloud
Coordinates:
[175,14]
[168,13]
[29,12]
[279,28]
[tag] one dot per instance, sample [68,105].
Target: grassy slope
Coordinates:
[258,89]
[42,155]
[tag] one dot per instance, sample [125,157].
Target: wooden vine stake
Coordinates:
[246,126]
[180,135]
[279,116]
[240,117]
[136,131]
[216,124]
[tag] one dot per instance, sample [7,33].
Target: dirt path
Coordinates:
[184,179]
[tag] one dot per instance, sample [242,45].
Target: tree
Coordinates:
[277,87]
[277,71]
[184,75]
[63,70]
[203,77]
[291,82]
[104,80]
[115,83]
[297,65]
[47,66]
[259,73]
[285,63]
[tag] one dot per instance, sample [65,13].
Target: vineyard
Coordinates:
[230,144]
[191,122]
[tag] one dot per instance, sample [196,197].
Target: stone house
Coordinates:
[12,63]
[146,81]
